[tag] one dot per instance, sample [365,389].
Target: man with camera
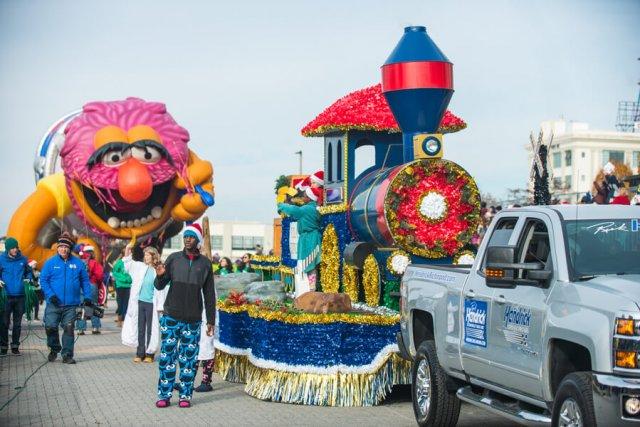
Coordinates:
[61,279]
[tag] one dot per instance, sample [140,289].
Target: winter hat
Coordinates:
[10,243]
[32,263]
[65,239]
[313,193]
[193,230]
[318,177]
[302,185]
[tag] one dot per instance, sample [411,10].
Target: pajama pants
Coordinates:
[207,370]
[180,340]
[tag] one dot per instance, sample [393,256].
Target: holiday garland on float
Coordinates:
[433,208]
[350,281]
[330,261]
[371,281]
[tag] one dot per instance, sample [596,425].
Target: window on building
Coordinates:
[245,242]
[557,160]
[567,158]
[583,154]
[557,183]
[635,162]
[216,243]
[567,182]
[612,156]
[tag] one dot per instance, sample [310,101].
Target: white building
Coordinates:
[232,238]
[577,154]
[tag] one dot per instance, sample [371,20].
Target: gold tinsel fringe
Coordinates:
[350,281]
[315,389]
[231,368]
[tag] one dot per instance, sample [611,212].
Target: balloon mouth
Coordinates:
[107,210]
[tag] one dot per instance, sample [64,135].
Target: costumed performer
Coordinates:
[191,277]
[141,322]
[309,239]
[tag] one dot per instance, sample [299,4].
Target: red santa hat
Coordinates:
[302,185]
[195,230]
[313,193]
[318,177]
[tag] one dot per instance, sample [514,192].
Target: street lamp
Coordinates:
[299,153]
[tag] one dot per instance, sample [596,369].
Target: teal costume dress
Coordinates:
[309,238]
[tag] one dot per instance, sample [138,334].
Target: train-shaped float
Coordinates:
[411,205]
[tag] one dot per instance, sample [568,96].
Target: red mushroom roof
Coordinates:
[367,109]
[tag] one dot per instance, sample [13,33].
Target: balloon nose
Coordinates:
[134,182]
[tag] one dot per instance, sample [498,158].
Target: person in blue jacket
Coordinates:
[61,279]
[14,269]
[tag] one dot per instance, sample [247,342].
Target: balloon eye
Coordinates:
[146,154]
[115,157]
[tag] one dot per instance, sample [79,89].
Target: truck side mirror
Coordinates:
[501,270]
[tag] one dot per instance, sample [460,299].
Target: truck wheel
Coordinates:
[573,403]
[433,403]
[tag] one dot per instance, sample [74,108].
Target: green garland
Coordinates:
[388,300]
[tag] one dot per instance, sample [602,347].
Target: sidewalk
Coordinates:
[105,387]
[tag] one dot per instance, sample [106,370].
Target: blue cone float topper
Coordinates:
[417,81]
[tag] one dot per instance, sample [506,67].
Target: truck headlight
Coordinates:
[626,359]
[629,327]
[632,405]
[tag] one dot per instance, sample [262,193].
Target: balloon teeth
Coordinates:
[136,223]
[129,223]
[113,222]
[156,212]
[143,221]
[149,218]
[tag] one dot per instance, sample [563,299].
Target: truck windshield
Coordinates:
[603,246]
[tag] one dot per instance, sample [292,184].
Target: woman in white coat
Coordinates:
[142,332]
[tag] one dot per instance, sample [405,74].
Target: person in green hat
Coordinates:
[14,269]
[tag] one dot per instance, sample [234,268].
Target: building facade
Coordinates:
[232,238]
[577,154]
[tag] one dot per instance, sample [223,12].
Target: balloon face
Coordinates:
[120,159]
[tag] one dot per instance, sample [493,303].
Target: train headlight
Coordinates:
[431,146]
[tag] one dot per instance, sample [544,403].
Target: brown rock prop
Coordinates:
[321,303]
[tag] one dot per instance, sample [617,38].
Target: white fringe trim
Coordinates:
[311,369]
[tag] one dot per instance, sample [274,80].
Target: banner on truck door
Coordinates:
[475,322]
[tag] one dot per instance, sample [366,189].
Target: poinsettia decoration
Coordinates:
[367,109]
[433,208]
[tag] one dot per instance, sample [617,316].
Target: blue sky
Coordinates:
[245,77]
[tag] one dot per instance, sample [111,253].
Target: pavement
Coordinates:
[105,387]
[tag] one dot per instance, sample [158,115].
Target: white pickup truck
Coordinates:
[544,327]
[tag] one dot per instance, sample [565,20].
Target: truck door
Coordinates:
[518,314]
[476,346]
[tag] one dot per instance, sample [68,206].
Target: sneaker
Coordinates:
[68,360]
[95,331]
[184,404]
[16,352]
[52,356]
[148,359]
[203,388]
[137,359]
[162,403]
[3,352]
[80,332]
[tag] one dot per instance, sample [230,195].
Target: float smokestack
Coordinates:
[417,81]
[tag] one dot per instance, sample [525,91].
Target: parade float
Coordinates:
[410,206]
[111,173]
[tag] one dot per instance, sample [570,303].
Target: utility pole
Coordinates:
[300,162]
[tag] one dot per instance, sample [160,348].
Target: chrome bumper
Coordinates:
[608,394]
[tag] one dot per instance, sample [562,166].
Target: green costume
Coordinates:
[120,275]
[309,238]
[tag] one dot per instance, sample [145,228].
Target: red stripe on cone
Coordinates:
[417,75]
